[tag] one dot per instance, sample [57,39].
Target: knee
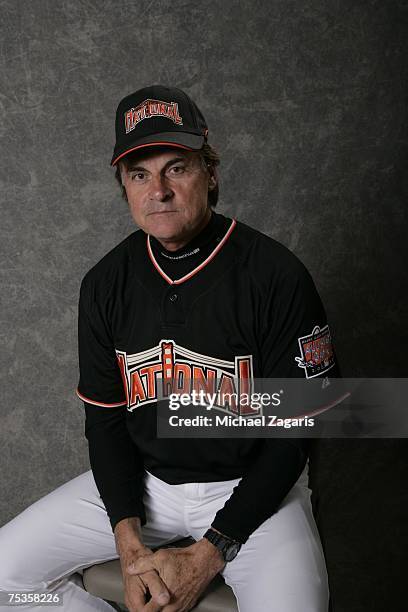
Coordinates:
[16,569]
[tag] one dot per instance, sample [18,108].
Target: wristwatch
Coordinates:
[227,547]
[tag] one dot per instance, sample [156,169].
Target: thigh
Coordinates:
[61,533]
[165,512]
[69,529]
[281,568]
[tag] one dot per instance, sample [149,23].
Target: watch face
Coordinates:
[231,551]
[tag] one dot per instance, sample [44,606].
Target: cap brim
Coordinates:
[182,140]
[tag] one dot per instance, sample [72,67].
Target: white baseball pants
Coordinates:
[281,567]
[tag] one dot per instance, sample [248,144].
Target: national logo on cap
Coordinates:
[151,108]
[158,116]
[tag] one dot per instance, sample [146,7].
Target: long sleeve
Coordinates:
[262,489]
[116,464]
[295,342]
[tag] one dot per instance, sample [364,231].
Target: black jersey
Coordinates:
[234,304]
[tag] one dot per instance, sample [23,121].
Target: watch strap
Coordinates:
[228,547]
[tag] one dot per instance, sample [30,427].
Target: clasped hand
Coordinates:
[173,577]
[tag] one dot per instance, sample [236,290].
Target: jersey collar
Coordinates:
[211,256]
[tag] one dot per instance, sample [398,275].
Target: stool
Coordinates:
[104,580]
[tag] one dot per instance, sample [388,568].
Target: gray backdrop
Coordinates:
[306,103]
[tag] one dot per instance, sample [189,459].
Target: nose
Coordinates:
[159,189]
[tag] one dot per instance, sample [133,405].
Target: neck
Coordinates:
[174,245]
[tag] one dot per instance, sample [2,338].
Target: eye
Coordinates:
[138,176]
[176,170]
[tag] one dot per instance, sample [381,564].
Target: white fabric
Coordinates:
[281,568]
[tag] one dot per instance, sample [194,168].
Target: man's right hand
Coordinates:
[146,593]
[138,589]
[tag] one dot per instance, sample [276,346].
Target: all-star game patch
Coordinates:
[316,352]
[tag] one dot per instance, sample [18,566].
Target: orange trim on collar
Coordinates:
[178,281]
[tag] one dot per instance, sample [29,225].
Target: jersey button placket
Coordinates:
[173,307]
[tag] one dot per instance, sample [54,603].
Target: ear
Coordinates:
[212,180]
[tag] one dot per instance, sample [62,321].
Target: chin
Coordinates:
[165,231]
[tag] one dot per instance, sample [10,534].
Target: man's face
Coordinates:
[167,191]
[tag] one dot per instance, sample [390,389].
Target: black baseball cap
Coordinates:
[155,116]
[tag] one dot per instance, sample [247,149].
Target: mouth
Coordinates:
[162,212]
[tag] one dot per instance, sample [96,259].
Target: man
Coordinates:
[190,296]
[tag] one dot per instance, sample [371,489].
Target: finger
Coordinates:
[157,588]
[135,594]
[143,586]
[145,564]
[152,606]
[180,604]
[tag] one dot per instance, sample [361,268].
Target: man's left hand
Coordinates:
[185,571]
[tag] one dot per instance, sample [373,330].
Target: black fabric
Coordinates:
[178,263]
[275,468]
[248,307]
[158,114]
[116,464]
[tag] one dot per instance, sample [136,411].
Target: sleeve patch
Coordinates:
[316,352]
